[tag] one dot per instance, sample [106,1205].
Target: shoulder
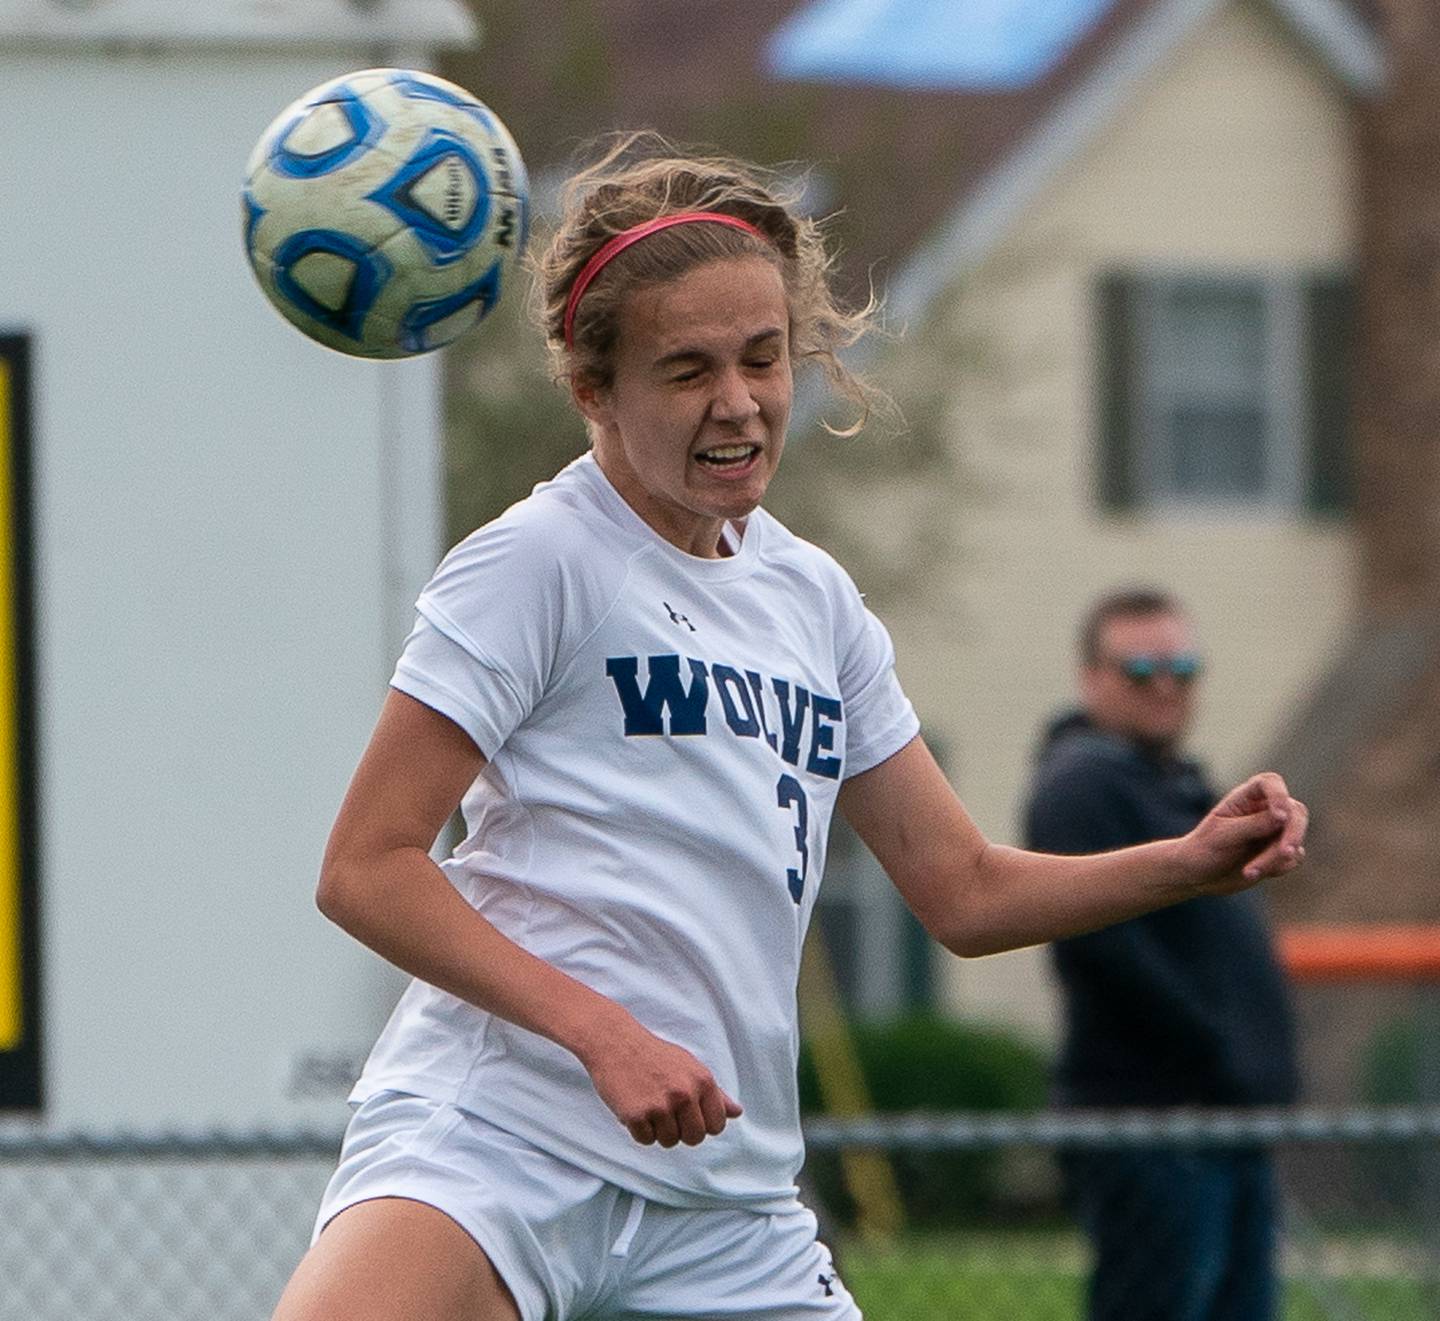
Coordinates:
[550,566]
[819,585]
[1087,794]
[558,530]
[806,563]
[1085,761]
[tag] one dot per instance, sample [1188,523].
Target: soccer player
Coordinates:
[650,697]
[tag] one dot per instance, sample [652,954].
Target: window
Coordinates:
[1224,392]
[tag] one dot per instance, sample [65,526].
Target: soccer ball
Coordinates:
[385,211]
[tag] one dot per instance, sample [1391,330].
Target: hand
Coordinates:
[1256,831]
[658,1090]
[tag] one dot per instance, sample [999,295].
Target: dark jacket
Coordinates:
[1184,1006]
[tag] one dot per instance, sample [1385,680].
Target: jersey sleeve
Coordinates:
[445,677]
[488,631]
[879,718]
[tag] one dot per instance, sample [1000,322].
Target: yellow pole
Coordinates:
[868,1175]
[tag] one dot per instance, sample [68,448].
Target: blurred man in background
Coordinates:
[1181,1007]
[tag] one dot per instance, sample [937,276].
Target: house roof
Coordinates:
[1102,73]
[1003,44]
[409,23]
[980,45]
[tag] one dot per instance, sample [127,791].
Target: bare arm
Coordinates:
[379,883]
[981,898]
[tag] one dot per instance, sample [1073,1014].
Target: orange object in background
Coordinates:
[1360,952]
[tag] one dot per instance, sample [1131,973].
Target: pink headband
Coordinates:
[634,234]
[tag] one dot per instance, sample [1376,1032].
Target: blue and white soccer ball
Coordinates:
[385,212]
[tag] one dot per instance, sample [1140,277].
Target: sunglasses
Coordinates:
[1141,670]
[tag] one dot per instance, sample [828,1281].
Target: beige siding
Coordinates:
[1235,157]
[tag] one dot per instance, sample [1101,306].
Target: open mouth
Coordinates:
[728,456]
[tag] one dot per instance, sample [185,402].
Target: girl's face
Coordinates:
[691,427]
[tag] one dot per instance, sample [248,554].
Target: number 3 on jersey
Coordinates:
[789,793]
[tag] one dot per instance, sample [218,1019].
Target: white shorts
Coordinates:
[568,1244]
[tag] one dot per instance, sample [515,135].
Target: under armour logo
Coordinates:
[676,617]
[826,1281]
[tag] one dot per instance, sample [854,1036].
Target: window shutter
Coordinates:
[1115,466]
[1329,322]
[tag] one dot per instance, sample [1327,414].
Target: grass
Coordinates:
[974,1275]
[1040,1275]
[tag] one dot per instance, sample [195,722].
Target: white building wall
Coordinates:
[1237,156]
[231,523]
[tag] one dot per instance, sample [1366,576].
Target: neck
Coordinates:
[695,534]
[1155,745]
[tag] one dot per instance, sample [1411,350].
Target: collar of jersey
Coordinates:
[717,570]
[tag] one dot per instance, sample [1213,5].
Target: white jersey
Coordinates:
[665,737]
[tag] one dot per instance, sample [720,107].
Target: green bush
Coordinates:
[1388,1069]
[1398,1067]
[1401,1062]
[926,1063]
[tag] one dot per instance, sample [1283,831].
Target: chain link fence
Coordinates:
[1358,1210]
[155,1229]
[145,1229]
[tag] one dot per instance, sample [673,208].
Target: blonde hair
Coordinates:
[640,177]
